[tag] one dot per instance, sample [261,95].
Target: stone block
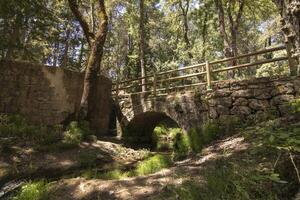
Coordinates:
[282,99]
[222,110]
[241,110]
[243,93]
[259,104]
[287,88]
[241,102]
[225,101]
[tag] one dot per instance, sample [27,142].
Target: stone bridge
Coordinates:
[246,99]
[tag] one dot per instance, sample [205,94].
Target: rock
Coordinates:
[220,93]
[287,88]
[226,101]
[240,102]
[281,99]
[243,93]
[264,93]
[285,109]
[222,110]
[213,114]
[259,104]
[241,110]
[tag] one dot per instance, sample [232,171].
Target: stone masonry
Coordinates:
[244,99]
[48,95]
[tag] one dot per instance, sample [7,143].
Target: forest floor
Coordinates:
[150,186]
[236,166]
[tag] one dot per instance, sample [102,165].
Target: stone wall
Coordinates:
[47,95]
[245,99]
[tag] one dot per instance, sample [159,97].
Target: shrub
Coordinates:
[33,191]
[211,131]
[73,135]
[181,145]
[76,132]
[153,164]
[195,140]
[161,138]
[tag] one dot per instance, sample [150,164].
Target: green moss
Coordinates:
[33,191]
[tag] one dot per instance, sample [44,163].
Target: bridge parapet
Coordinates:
[246,99]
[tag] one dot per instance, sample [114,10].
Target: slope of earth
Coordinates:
[260,162]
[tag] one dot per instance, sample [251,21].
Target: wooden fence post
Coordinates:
[154,84]
[292,62]
[208,75]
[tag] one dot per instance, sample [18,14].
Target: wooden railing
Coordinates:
[161,83]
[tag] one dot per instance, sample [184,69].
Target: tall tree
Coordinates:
[142,43]
[230,39]
[290,12]
[96,42]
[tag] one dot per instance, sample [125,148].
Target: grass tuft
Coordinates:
[33,191]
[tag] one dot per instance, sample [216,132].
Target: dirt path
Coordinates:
[146,187]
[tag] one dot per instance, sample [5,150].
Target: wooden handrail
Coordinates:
[208,72]
[250,64]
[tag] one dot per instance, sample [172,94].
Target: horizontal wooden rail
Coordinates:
[250,64]
[155,80]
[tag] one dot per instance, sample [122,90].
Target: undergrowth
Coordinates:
[34,191]
[182,143]
[15,129]
[148,166]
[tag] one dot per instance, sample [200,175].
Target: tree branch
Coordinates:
[86,30]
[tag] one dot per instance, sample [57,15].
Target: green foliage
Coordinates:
[187,191]
[18,127]
[295,105]
[33,191]
[195,140]
[181,145]
[76,132]
[161,140]
[211,131]
[153,164]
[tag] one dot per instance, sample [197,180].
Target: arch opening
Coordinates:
[139,131]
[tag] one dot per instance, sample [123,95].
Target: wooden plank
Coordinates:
[250,64]
[249,54]
[181,77]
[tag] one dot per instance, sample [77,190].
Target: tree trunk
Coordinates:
[93,65]
[290,13]
[185,11]
[64,60]
[142,44]
[230,43]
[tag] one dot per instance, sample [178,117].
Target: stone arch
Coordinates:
[139,130]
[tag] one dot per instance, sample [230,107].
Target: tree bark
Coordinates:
[142,43]
[93,65]
[290,13]
[185,10]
